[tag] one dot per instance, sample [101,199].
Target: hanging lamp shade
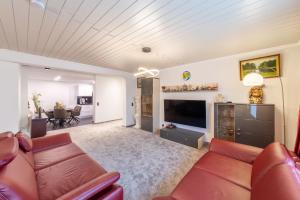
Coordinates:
[253,79]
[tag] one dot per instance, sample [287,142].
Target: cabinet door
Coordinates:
[147,86]
[147,123]
[224,121]
[254,132]
[257,112]
[254,125]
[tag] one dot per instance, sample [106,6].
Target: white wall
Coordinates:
[129,91]
[52,92]
[63,92]
[109,94]
[41,61]
[10,96]
[85,90]
[225,71]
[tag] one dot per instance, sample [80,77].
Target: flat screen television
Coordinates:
[186,112]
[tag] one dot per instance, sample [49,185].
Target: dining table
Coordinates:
[67,109]
[61,121]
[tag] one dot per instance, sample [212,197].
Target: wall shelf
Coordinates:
[190,88]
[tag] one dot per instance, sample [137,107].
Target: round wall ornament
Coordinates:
[186,75]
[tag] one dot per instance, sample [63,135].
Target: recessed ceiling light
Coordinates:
[47,68]
[39,3]
[57,78]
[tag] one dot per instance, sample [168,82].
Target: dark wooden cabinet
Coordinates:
[150,104]
[182,136]
[147,87]
[251,124]
[38,126]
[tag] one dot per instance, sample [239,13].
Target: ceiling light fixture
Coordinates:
[39,3]
[148,73]
[146,49]
[47,68]
[57,78]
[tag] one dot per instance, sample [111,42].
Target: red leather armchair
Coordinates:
[231,171]
[54,168]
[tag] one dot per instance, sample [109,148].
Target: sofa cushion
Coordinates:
[236,151]
[282,182]
[25,142]
[17,180]
[199,184]
[274,154]
[50,142]
[58,179]
[232,170]
[28,156]
[8,150]
[49,157]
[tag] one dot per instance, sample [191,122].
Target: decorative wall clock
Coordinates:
[186,75]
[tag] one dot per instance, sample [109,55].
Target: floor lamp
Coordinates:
[297,144]
[283,110]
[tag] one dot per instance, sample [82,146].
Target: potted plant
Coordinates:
[36,101]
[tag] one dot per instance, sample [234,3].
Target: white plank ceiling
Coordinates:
[111,33]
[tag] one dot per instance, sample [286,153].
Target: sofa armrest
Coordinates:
[164,198]
[49,142]
[92,188]
[245,153]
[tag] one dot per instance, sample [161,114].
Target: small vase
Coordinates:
[40,112]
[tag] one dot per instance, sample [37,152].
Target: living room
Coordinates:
[187,99]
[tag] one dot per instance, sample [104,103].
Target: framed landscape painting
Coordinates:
[268,66]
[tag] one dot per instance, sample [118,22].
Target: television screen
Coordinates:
[187,112]
[85,100]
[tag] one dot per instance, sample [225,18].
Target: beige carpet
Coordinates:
[149,165]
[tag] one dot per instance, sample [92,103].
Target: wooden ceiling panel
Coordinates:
[87,8]
[101,11]
[8,22]
[151,16]
[72,27]
[94,17]
[21,19]
[116,14]
[36,17]
[45,31]
[82,46]
[111,33]
[132,10]
[55,6]
[3,37]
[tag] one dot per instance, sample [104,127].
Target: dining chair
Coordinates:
[50,116]
[75,113]
[61,116]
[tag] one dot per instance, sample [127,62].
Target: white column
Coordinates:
[10,82]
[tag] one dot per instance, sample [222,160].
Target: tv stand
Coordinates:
[182,136]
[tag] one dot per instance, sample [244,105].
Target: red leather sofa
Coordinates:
[231,171]
[50,168]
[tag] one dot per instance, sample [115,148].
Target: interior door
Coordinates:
[109,95]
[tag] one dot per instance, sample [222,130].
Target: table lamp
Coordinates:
[256,81]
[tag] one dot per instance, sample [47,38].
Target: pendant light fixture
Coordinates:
[39,3]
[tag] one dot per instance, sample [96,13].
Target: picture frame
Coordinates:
[267,66]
